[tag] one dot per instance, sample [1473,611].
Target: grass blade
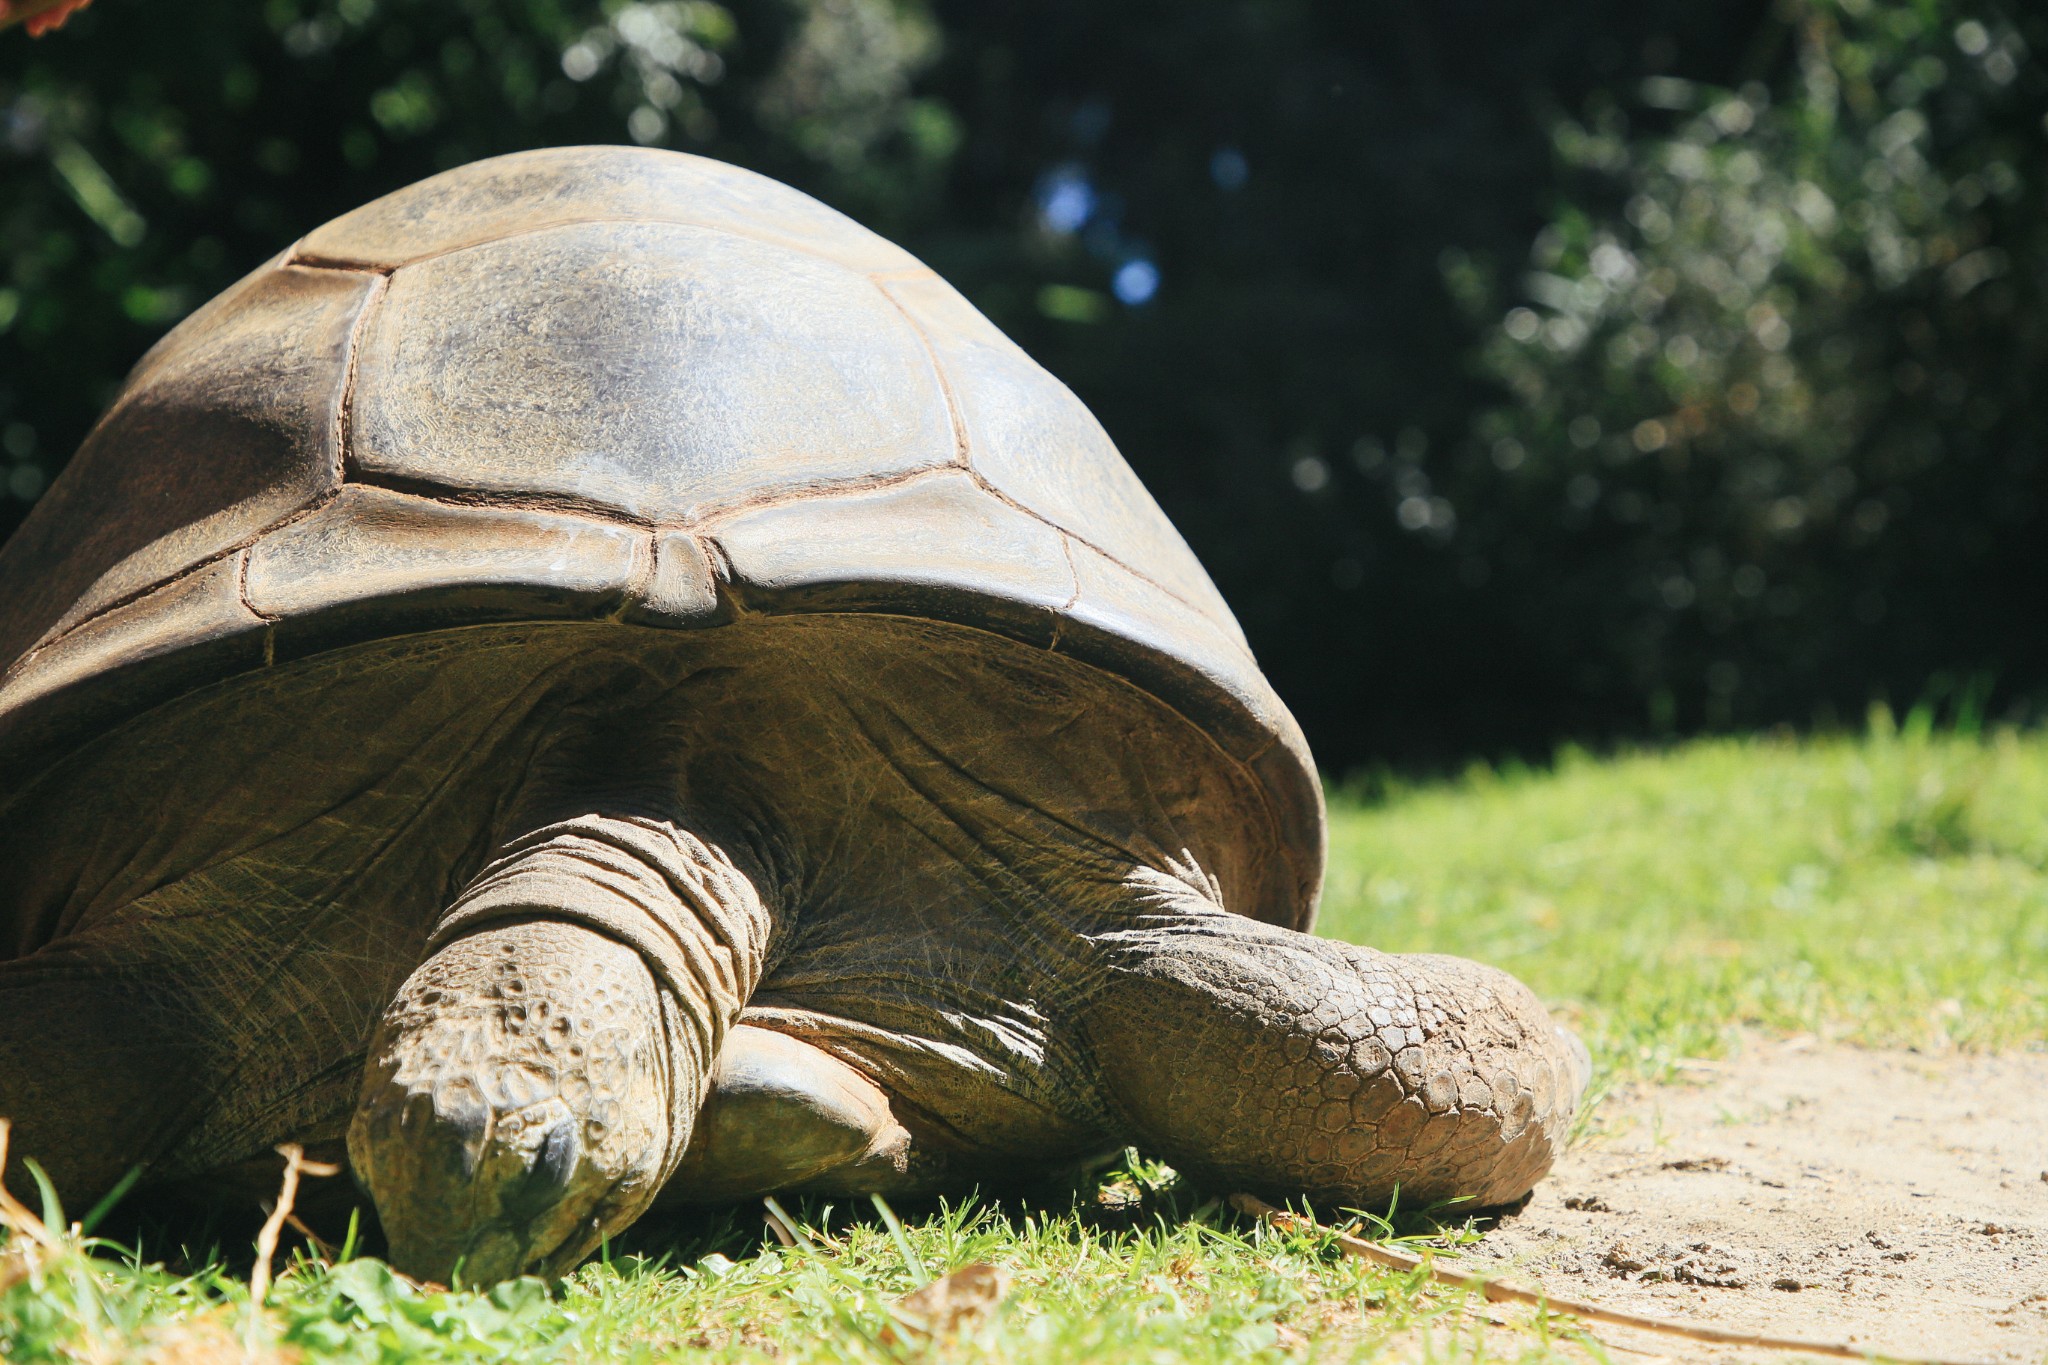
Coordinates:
[110,1199]
[53,1208]
[918,1276]
[348,1241]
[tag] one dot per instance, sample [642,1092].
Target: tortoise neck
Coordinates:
[641,781]
[683,903]
[695,917]
[578,992]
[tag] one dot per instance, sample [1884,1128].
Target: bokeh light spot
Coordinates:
[1136,282]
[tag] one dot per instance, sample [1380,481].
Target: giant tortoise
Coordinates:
[594,681]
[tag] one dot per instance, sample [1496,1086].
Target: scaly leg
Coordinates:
[1299,1065]
[100,1067]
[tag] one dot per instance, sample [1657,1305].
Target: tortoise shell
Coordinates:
[603,385]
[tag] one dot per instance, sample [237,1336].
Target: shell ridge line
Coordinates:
[367,267]
[306,260]
[1139,574]
[1073,573]
[573,505]
[351,365]
[730,598]
[851,485]
[1064,609]
[172,580]
[269,619]
[715,552]
[449,495]
[962,449]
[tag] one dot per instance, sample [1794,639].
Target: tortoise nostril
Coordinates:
[559,1150]
[536,1180]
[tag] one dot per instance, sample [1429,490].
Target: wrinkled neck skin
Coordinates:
[645,767]
[537,1079]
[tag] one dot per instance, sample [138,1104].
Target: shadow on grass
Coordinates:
[1120,1196]
[211,1228]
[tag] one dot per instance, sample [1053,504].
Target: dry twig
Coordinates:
[776,1226]
[16,1215]
[295,1165]
[1496,1292]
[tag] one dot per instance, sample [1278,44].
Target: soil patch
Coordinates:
[1891,1200]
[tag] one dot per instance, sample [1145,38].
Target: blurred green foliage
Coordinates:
[151,153]
[1790,398]
[1747,433]
[1889,889]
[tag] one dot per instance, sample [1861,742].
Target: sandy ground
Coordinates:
[1893,1201]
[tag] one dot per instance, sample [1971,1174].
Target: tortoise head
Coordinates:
[516,1107]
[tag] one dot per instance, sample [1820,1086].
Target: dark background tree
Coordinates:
[1520,373]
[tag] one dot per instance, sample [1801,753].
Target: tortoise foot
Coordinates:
[1306,1066]
[783,1115]
[516,1106]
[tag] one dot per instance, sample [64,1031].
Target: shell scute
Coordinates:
[533,191]
[1034,441]
[187,633]
[374,562]
[653,370]
[228,425]
[938,545]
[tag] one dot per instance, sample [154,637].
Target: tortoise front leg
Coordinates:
[783,1115]
[1299,1065]
[103,1066]
[536,1079]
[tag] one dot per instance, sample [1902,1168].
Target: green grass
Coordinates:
[1887,890]
[1891,889]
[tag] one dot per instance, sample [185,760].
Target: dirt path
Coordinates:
[1891,1200]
